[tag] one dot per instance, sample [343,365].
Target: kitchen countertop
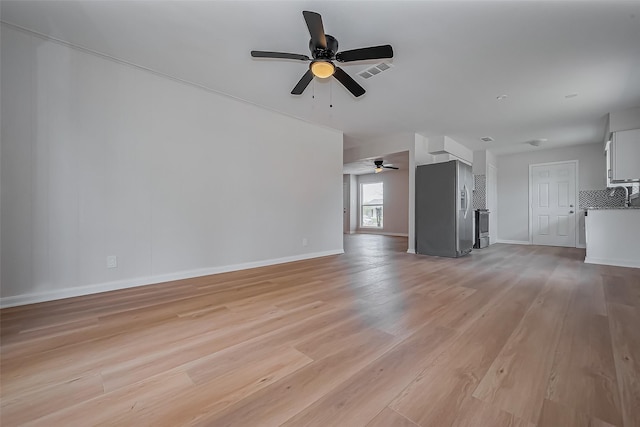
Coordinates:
[612,207]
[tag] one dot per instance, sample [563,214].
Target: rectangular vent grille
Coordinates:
[486,139]
[377,69]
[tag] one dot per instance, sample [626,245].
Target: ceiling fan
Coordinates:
[324,50]
[380,167]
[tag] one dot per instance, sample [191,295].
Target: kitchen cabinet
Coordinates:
[624,156]
[612,236]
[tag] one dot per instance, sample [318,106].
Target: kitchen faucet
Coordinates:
[626,195]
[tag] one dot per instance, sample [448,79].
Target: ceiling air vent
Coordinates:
[486,139]
[377,69]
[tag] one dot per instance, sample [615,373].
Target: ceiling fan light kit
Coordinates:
[380,166]
[322,68]
[324,50]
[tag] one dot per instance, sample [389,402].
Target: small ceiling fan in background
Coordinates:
[324,50]
[380,166]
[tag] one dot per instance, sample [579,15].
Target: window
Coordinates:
[371,200]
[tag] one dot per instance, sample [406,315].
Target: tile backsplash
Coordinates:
[601,198]
[480,192]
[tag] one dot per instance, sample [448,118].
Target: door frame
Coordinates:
[493,212]
[577,222]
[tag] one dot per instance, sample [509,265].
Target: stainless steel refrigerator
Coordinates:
[444,218]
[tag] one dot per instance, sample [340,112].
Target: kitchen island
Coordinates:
[613,236]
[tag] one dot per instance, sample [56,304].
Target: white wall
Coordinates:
[101,158]
[513,185]
[421,152]
[396,201]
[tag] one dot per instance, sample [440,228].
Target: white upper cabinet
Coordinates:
[625,155]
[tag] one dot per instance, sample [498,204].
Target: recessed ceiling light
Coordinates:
[571,95]
[536,142]
[501,97]
[486,139]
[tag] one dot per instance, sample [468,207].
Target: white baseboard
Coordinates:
[513,242]
[614,262]
[383,233]
[36,297]
[525,242]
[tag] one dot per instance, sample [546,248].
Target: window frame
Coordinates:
[363,205]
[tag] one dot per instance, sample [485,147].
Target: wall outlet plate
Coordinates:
[112,261]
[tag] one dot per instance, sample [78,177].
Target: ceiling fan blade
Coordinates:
[278,55]
[390,167]
[346,80]
[373,52]
[314,23]
[303,83]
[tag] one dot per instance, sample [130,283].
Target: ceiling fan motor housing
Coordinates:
[328,53]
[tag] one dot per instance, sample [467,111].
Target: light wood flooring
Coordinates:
[508,336]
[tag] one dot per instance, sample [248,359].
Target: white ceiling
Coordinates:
[452,59]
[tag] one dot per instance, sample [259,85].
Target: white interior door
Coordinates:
[553,204]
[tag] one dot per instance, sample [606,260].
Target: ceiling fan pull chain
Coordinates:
[331,94]
[313,90]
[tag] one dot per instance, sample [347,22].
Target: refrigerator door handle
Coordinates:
[465,201]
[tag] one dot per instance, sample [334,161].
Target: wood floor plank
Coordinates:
[359,399]
[622,290]
[408,316]
[388,417]
[583,376]
[457,371]
[624,322]
[556,415]
[90,356]
[337,338]
[31,406]
[147,365]
[474,412]
[215,391]
[533,343]
[462,313]
[142,399]
[340,340]
[277,403]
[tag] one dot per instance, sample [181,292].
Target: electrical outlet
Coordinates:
[305,242]
[112,261]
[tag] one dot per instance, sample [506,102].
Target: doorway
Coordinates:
[345,204]
[553,189]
